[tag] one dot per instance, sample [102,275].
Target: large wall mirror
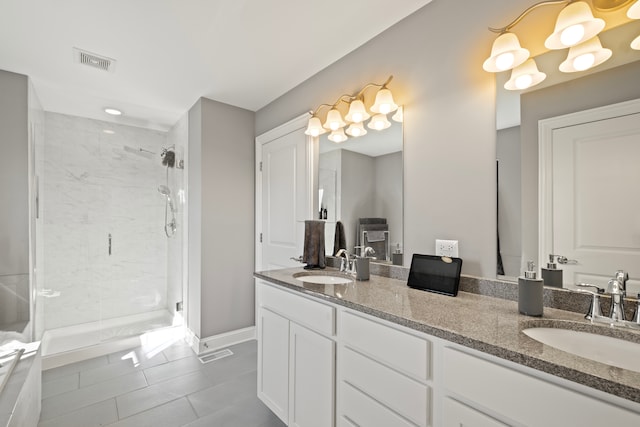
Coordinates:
[360,185]
[519,168]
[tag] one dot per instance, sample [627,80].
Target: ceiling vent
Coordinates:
[93,60]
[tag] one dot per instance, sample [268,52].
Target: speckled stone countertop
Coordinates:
[491,325]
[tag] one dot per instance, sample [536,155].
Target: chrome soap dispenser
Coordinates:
[530,290]
[552,276]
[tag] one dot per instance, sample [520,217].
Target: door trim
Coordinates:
[311,165]
[546,128]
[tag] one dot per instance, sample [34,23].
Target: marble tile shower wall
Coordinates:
[95,185]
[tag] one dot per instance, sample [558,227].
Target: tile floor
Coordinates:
[170,388]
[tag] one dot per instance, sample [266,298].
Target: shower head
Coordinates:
[163,189]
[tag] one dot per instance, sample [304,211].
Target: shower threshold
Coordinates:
[75,343]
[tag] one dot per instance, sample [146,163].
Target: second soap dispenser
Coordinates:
[530,290]
[552,275]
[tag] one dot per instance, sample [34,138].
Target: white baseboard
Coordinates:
[205,345]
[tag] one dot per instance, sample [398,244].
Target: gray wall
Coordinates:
[436,58]
[357,186]
[608,87]
[14,176]
[221,151]
[388,194]
[14,200]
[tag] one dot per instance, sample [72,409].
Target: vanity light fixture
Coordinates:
[356,115]
[576,29]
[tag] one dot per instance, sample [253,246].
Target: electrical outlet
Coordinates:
[447,248]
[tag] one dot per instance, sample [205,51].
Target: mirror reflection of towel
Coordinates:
[313,251]
[340,239]
[375,236]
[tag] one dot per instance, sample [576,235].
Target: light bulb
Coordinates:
[524,81]
[337,136]
[379,122]
[584,62]
[356,130]
[525,76]
[504,61]
[572,35]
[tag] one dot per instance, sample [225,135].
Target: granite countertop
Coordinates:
[491,325]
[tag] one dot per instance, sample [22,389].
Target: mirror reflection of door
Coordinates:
[362,178]
[595,212]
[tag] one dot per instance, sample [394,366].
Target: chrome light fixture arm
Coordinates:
[526,12]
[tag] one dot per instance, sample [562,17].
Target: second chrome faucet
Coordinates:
[617,290]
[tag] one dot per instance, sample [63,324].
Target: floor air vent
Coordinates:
[210,357]
[94,60]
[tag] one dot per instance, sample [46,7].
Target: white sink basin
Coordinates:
[325,279]
[612,351]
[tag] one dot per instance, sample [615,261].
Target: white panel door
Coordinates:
[284,200]
[596,200]
[312,379]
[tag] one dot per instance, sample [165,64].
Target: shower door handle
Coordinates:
[109,244]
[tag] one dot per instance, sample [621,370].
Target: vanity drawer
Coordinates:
[394,390]
[361,410]
[404,352]
[304,311]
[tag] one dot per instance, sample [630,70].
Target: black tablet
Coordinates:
[435,274]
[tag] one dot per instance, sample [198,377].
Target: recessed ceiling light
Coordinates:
[108,131]
[112,111]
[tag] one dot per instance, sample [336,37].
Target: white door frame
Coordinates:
[311,165]
[546,128]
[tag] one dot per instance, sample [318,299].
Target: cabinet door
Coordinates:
[458,415]
[312,379]
[273,362]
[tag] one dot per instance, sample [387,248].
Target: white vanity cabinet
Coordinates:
[485,392]
[384,374]
[321,364]
[456,414]
[296,357]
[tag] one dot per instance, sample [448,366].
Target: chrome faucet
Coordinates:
[617,289]
[346,265]
[595,310]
